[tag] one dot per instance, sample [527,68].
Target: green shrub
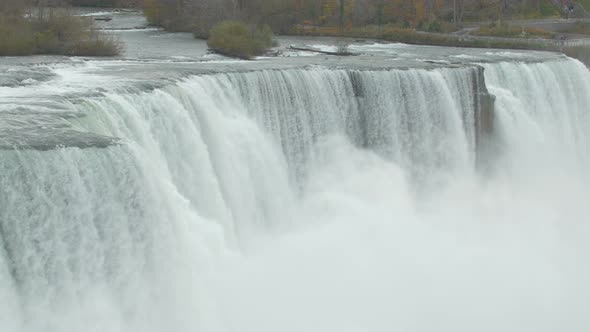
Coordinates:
[53,31]
[16,37]
[240,40]
[97,45]
[47,42]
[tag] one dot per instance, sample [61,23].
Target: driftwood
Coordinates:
[319,51]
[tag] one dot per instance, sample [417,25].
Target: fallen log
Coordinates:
[320,51]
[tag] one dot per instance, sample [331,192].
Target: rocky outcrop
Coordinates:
[484,119]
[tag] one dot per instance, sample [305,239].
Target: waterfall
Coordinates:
[548,123]
[307,199]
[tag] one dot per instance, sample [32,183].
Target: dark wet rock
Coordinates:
[484,119]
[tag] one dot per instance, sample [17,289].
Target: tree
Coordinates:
[341,16]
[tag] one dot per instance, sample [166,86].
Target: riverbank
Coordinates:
[577,47]
[414,37]
[574,46]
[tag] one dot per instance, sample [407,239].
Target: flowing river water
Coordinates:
[414,189]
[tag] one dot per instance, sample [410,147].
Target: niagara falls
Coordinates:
[334,180]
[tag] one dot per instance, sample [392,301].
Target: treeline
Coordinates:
[49,27]
[284,15]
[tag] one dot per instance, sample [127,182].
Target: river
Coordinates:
[408,188]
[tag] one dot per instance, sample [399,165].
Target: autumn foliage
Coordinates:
[283,15]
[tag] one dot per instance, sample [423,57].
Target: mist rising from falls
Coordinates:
[308,200]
